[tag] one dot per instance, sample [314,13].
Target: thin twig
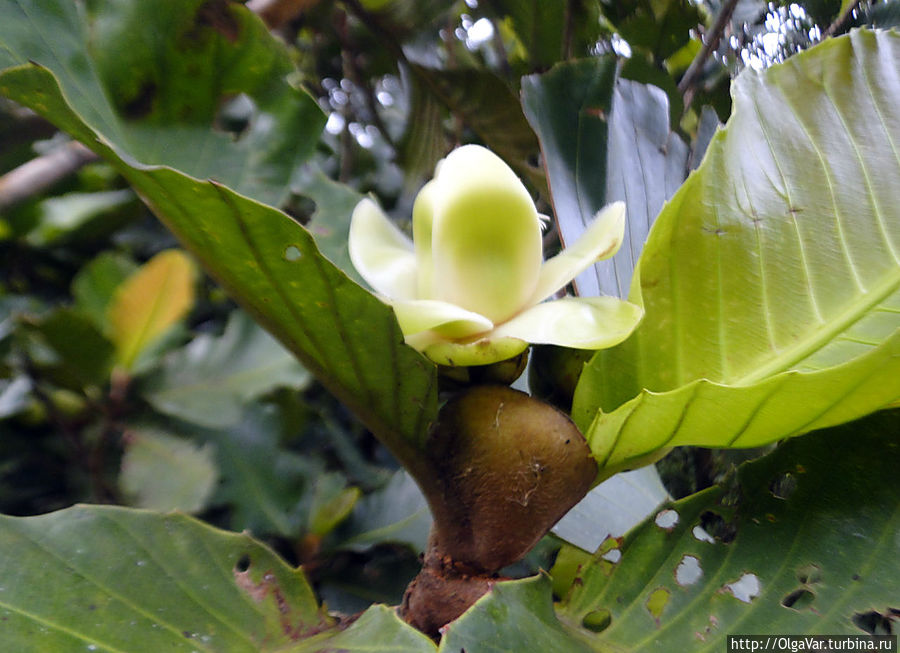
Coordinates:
[42,172]
[840,21]
[711,41]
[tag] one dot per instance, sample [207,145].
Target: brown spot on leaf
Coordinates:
[217,15]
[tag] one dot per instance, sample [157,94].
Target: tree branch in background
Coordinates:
[688,84]
[841,20]
[41,173]
[277,13]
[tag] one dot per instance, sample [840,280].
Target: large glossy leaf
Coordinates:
[770,280]
[620,148]
[378,630]
[95,578]
[803,541]
[263,258]
[151,79]
[100,578]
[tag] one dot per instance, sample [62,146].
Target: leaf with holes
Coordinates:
[158,135]
[771,280]
[131,580]
[704,567]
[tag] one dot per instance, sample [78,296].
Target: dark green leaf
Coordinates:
[661,28]
[271,264]
[94,285]
[211,380]
[569,108]
[514,616]
[101,578]
[491,109]
[397,512]
[75,354]
[263,484]
[803,541]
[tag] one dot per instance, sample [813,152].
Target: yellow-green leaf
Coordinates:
[149,302]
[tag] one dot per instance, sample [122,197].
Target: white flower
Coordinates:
[467,289]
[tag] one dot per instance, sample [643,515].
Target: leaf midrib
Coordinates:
[825,334]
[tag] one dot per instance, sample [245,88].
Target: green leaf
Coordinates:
[70,349]
[378,629]
[330,222]
[540,27]
[569,107]
[331,502]
[212,379]
[95,284]
[661,28]
[342,333]
[151,80]
[397,512]
[490,108]
[103,578]
[802,541]
[80,216]
[513,616]
[147,304]
[164,472]
[771,280]
[423,142]
[262,483]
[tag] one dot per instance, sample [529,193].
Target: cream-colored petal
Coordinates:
[445,320]
[576,322]
[600,240]
[423,219]
[381,253]
[483,351]
[486,235]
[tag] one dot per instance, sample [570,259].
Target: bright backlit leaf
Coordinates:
[771,280]
[149,303]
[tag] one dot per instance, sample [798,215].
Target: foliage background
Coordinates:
[129,377]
